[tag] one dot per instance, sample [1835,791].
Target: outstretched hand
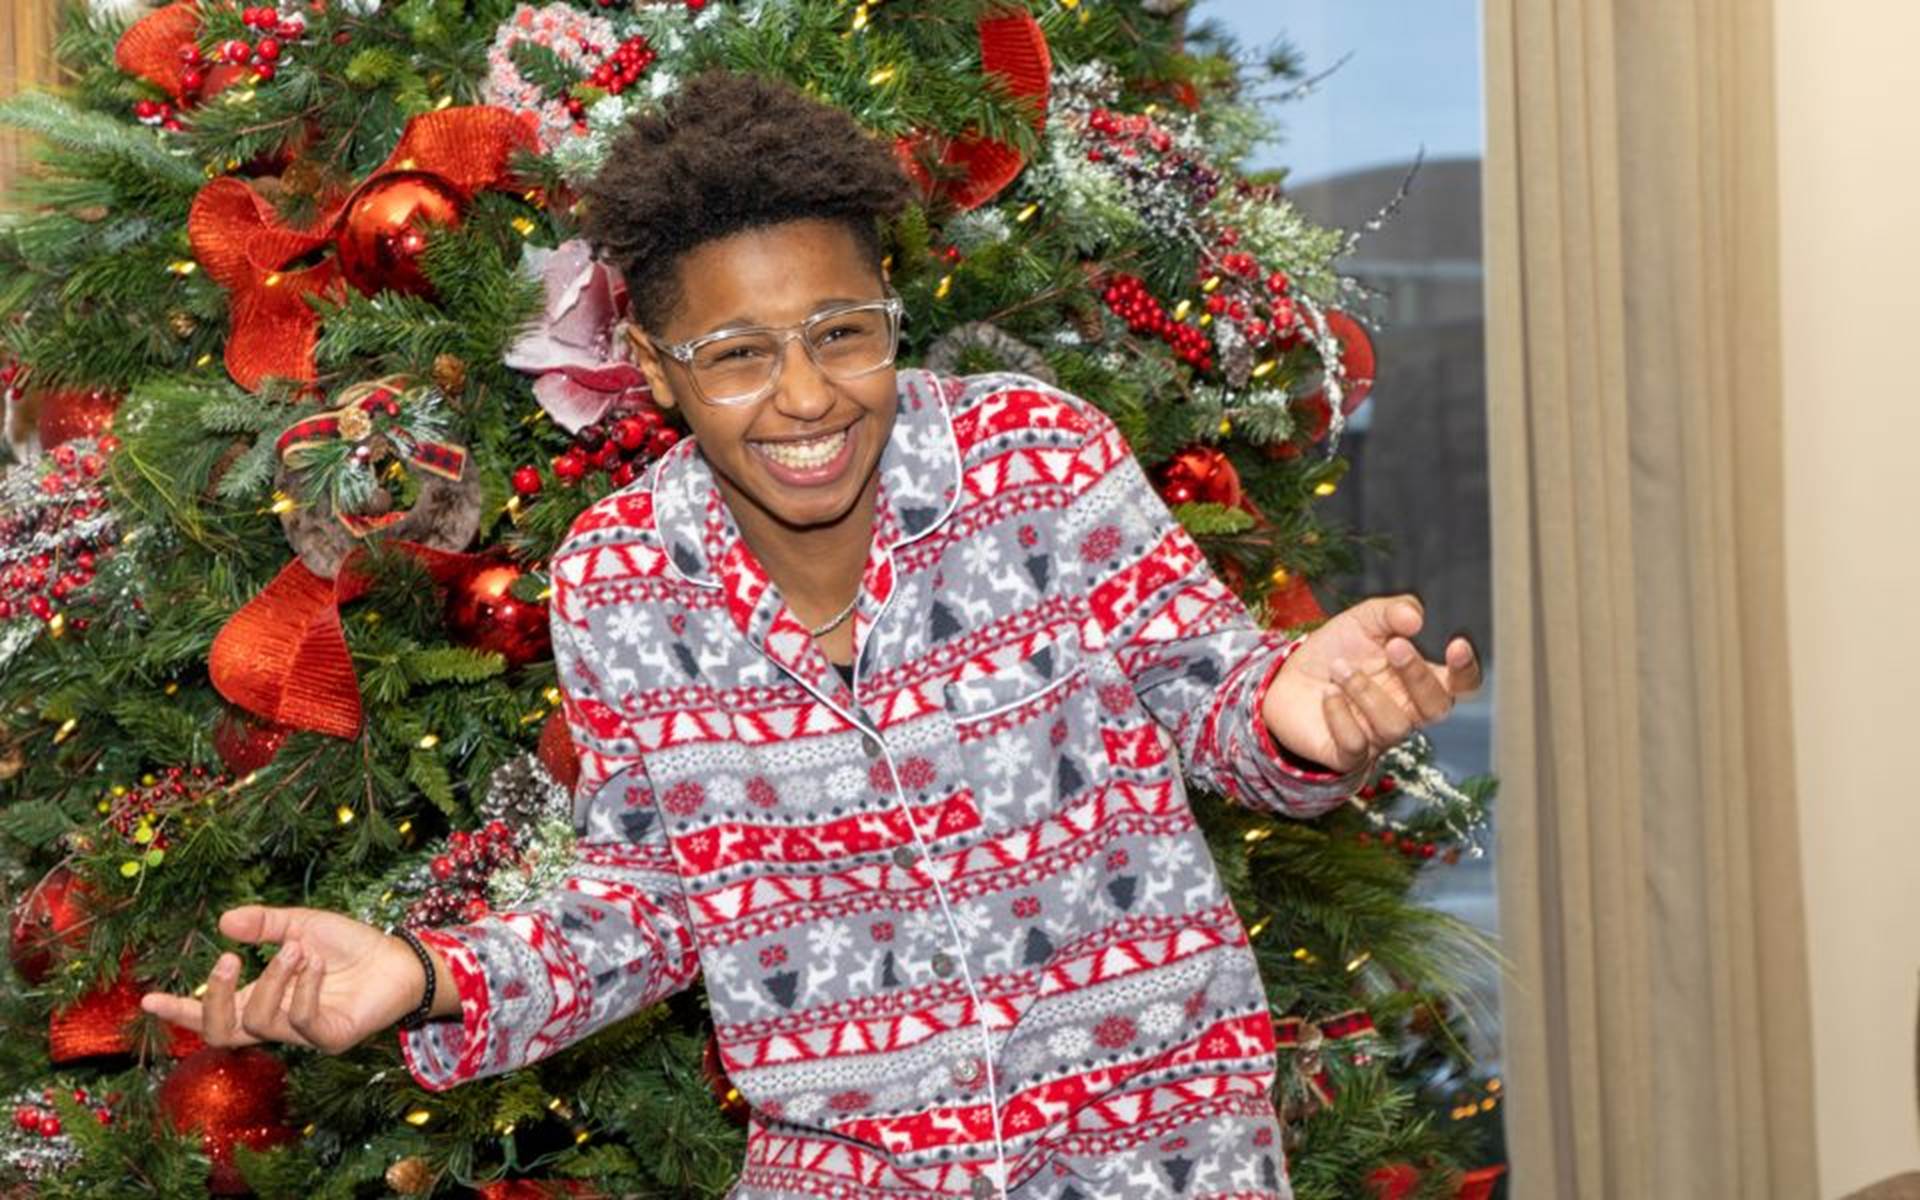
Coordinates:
[334,983]
[1358,685]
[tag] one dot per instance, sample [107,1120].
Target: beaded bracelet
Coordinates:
[418,1016]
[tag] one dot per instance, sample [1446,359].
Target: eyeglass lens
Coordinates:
[843,345]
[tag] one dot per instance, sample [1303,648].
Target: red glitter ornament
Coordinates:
[71,413]
[1201,475]
[385,231]
[54,914]
[484,614]
[244,742]
[231,1095]
[556,752]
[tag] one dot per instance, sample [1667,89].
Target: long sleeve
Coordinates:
[1194,655]
[612,938]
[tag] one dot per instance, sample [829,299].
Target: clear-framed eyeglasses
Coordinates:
[739,366]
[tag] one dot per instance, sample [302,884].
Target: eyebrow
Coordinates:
[746,321]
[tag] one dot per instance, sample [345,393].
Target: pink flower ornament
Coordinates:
[577,346]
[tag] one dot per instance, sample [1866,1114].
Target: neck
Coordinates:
[817,568]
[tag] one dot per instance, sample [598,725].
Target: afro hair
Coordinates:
[724,154]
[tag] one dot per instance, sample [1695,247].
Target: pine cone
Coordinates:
[450,374]
[411,1176]
[521,793]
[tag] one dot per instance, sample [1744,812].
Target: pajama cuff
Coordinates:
[443,1054]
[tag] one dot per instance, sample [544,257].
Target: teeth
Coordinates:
[804,456]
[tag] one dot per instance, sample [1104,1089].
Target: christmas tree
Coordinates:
[308,373]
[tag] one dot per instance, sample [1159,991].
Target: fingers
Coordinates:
[220,1021]
[1431,699]
[1352,738]
[1401,615]
[183,1011]
[1463,667]
[1385,716]
[303,1007]
[264,1015]
[257,923]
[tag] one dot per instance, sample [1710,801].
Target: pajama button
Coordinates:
[966,1070]
[870,744]
[982,1187]
[905,856]
[943,964]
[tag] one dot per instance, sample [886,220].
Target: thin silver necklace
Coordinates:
[842,615]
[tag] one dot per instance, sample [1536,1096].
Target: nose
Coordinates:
[803,392]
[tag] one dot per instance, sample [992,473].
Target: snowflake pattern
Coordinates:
[834,909]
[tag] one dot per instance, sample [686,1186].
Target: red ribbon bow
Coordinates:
[1308,1037]
[240,241]
[354,422]
[284,657]
[1012,46]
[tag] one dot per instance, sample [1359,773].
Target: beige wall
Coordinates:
[1849,99]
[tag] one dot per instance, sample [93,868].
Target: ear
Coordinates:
[641,353]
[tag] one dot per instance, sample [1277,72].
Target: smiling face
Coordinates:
[804,458]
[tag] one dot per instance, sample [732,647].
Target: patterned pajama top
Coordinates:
[959,929]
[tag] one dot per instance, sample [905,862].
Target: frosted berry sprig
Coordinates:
[36,1144]
[1255,298]
[55,527]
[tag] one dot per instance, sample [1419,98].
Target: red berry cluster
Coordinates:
[37,1116]
[619,446]
[36,582]
[459,889]
[1126,133]
[132,808]
[1247,294]
[1129,299]
[624,66]
[274,31]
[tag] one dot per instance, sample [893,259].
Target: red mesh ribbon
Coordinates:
[1013,47]
[283,656]
[150,49]
[240,241]
[1293,604]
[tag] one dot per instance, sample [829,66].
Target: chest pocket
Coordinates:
[1028,733]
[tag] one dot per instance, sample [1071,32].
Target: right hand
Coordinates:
[334,983]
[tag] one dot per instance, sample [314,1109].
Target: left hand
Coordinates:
[1358,686]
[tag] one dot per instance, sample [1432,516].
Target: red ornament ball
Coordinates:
[231,1095]
[51,915]
[1200,474]
[526,481]
[69,414]
[556,752]
[484,614]
[732,1104]
[386,230]
[244,742]
[1356,359]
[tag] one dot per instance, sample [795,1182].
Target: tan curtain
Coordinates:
[26,60]
[1656,1012]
